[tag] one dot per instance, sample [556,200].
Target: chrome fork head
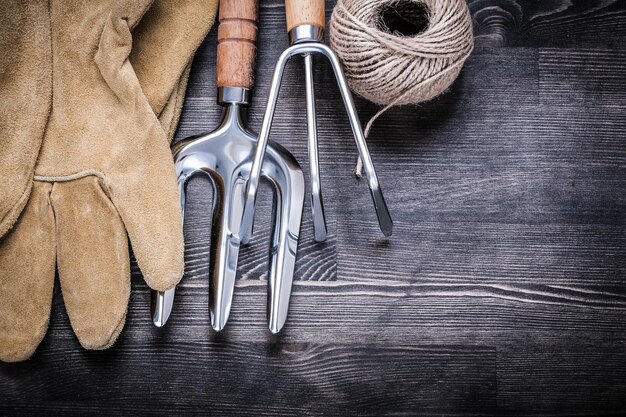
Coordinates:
[225,156]
[307,41]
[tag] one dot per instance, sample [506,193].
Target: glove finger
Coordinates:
[93,261]
[27,256]
[148,202]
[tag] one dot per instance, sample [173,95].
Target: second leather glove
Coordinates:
[104,175]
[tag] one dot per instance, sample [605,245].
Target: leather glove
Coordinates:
[104,172]
[25,99]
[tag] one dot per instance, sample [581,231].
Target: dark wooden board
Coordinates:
[501,292]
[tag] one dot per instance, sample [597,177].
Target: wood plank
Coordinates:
[558,23]
[260,379]
[588,78]
[360,312]
[484,253]
[590,380]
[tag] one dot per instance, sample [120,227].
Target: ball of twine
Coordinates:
[390,68]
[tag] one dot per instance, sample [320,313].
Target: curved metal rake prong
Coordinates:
[307,48]
[317,205]
[382,211]
[261,145]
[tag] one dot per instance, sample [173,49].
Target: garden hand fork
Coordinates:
[225,155]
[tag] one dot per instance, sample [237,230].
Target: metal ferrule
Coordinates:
[233,95]
[306,33]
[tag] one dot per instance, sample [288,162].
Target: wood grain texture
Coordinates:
[304,12]
[236,43]
[554,23]
[502,291]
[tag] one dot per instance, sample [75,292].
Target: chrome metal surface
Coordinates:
[317,205]
[225,155]
[233,95]
[306,48]
[162,302]
[306,33]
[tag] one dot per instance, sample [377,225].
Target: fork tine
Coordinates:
[289,191]
[227,212]
[163,301]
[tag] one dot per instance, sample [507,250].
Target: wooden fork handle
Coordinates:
[236,43]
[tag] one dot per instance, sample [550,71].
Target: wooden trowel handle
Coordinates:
[236,43]
[304,12]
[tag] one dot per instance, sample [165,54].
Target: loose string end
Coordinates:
[358,170]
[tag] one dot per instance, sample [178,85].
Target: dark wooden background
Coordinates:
[501,291]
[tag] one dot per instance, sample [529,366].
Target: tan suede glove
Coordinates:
[105,172]
[25,99]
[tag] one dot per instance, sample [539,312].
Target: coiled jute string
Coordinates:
[398,52]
